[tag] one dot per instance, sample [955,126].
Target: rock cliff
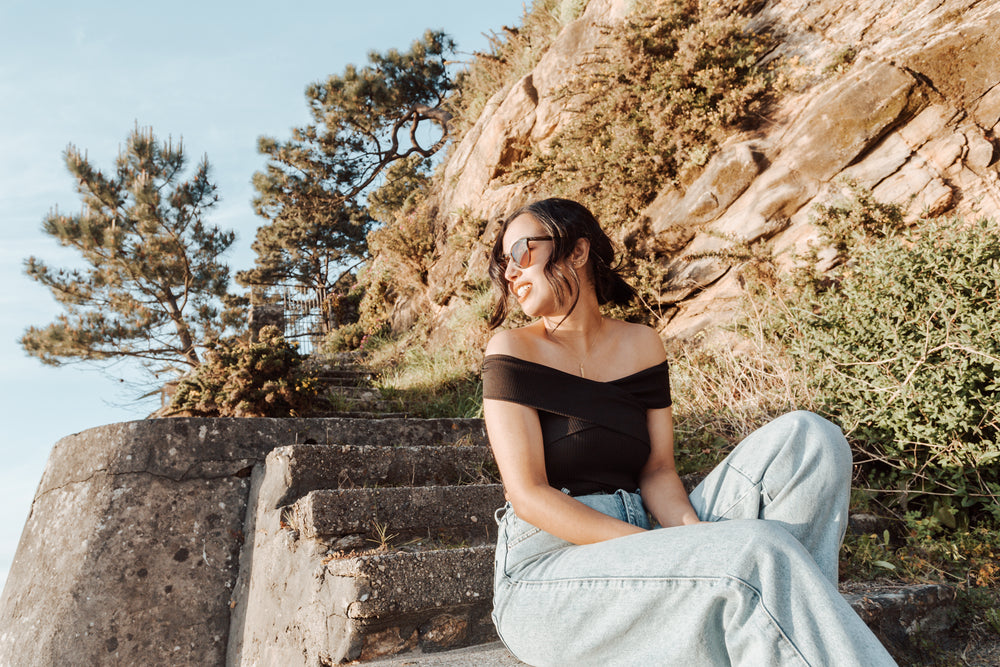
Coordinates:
[900,97]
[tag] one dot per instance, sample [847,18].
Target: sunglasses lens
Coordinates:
[519,252]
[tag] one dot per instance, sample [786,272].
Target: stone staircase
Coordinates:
[348,387]
[365,550]
[380,543]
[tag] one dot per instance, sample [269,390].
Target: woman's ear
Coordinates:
[580,254]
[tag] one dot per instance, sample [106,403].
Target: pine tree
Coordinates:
[312,188]
[154,285]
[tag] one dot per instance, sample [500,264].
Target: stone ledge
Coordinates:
[400,584]
[884,608]
[312,467]
[194,447]
[904,617]
[453,513]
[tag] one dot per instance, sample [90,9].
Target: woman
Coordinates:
[578,412]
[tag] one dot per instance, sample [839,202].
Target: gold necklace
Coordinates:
[590,348]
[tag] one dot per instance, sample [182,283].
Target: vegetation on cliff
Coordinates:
[898,345]
[673,81]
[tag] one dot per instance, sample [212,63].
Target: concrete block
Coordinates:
[299,469]
[443,598]
[450,513]
[132,547]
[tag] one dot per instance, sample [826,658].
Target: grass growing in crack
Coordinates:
[383,538]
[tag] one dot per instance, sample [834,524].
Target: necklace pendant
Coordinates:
[581,371]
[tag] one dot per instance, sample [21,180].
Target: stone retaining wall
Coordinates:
[132,546]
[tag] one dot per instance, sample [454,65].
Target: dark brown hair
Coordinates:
[566,221]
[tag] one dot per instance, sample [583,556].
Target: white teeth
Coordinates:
[522,290]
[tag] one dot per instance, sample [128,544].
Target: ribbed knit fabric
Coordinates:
[594,433]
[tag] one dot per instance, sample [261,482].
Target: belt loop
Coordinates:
[626,501]
[497,514]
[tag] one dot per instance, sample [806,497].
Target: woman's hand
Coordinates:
[662,490]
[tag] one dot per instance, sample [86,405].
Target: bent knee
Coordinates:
[822,442]
[768,542]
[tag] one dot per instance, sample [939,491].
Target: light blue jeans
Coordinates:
[757,586]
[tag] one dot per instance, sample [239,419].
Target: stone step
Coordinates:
[299,469]
[346,376]
[363,414]
[355,391]
[394,602]
[355,517]
[369,404]
[393,432]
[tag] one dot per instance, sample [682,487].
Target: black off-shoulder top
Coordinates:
[594,433]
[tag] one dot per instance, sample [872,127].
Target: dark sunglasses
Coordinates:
[520,253]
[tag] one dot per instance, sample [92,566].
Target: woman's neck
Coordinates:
[577,334]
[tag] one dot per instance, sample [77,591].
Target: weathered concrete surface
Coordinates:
[494,654]
[131,548]
[310,467]
[319,585]
[450,513]
[402,595]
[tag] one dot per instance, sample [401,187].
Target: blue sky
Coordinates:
[217,75]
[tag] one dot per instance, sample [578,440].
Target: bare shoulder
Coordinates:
[512,342]
[644,344]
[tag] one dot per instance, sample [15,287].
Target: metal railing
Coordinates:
[306,315]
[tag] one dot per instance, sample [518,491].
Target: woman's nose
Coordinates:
[512,269]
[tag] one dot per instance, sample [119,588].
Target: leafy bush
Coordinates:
[676,78]
[248,379]
[344,338]
[901,350]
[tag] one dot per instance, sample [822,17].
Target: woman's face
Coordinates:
[528,282]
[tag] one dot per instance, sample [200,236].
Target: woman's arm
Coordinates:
[660,485]
[516,438]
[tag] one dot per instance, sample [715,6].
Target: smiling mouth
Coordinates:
[522,291]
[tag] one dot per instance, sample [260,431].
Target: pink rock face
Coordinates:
[910,117]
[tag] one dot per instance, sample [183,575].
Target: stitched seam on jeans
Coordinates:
[725,578]
[737,502]
[744,473]
[522,537]
[518,564]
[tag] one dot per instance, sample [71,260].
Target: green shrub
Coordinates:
[676,79]
[248,379]
[344,338]
[901,349]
